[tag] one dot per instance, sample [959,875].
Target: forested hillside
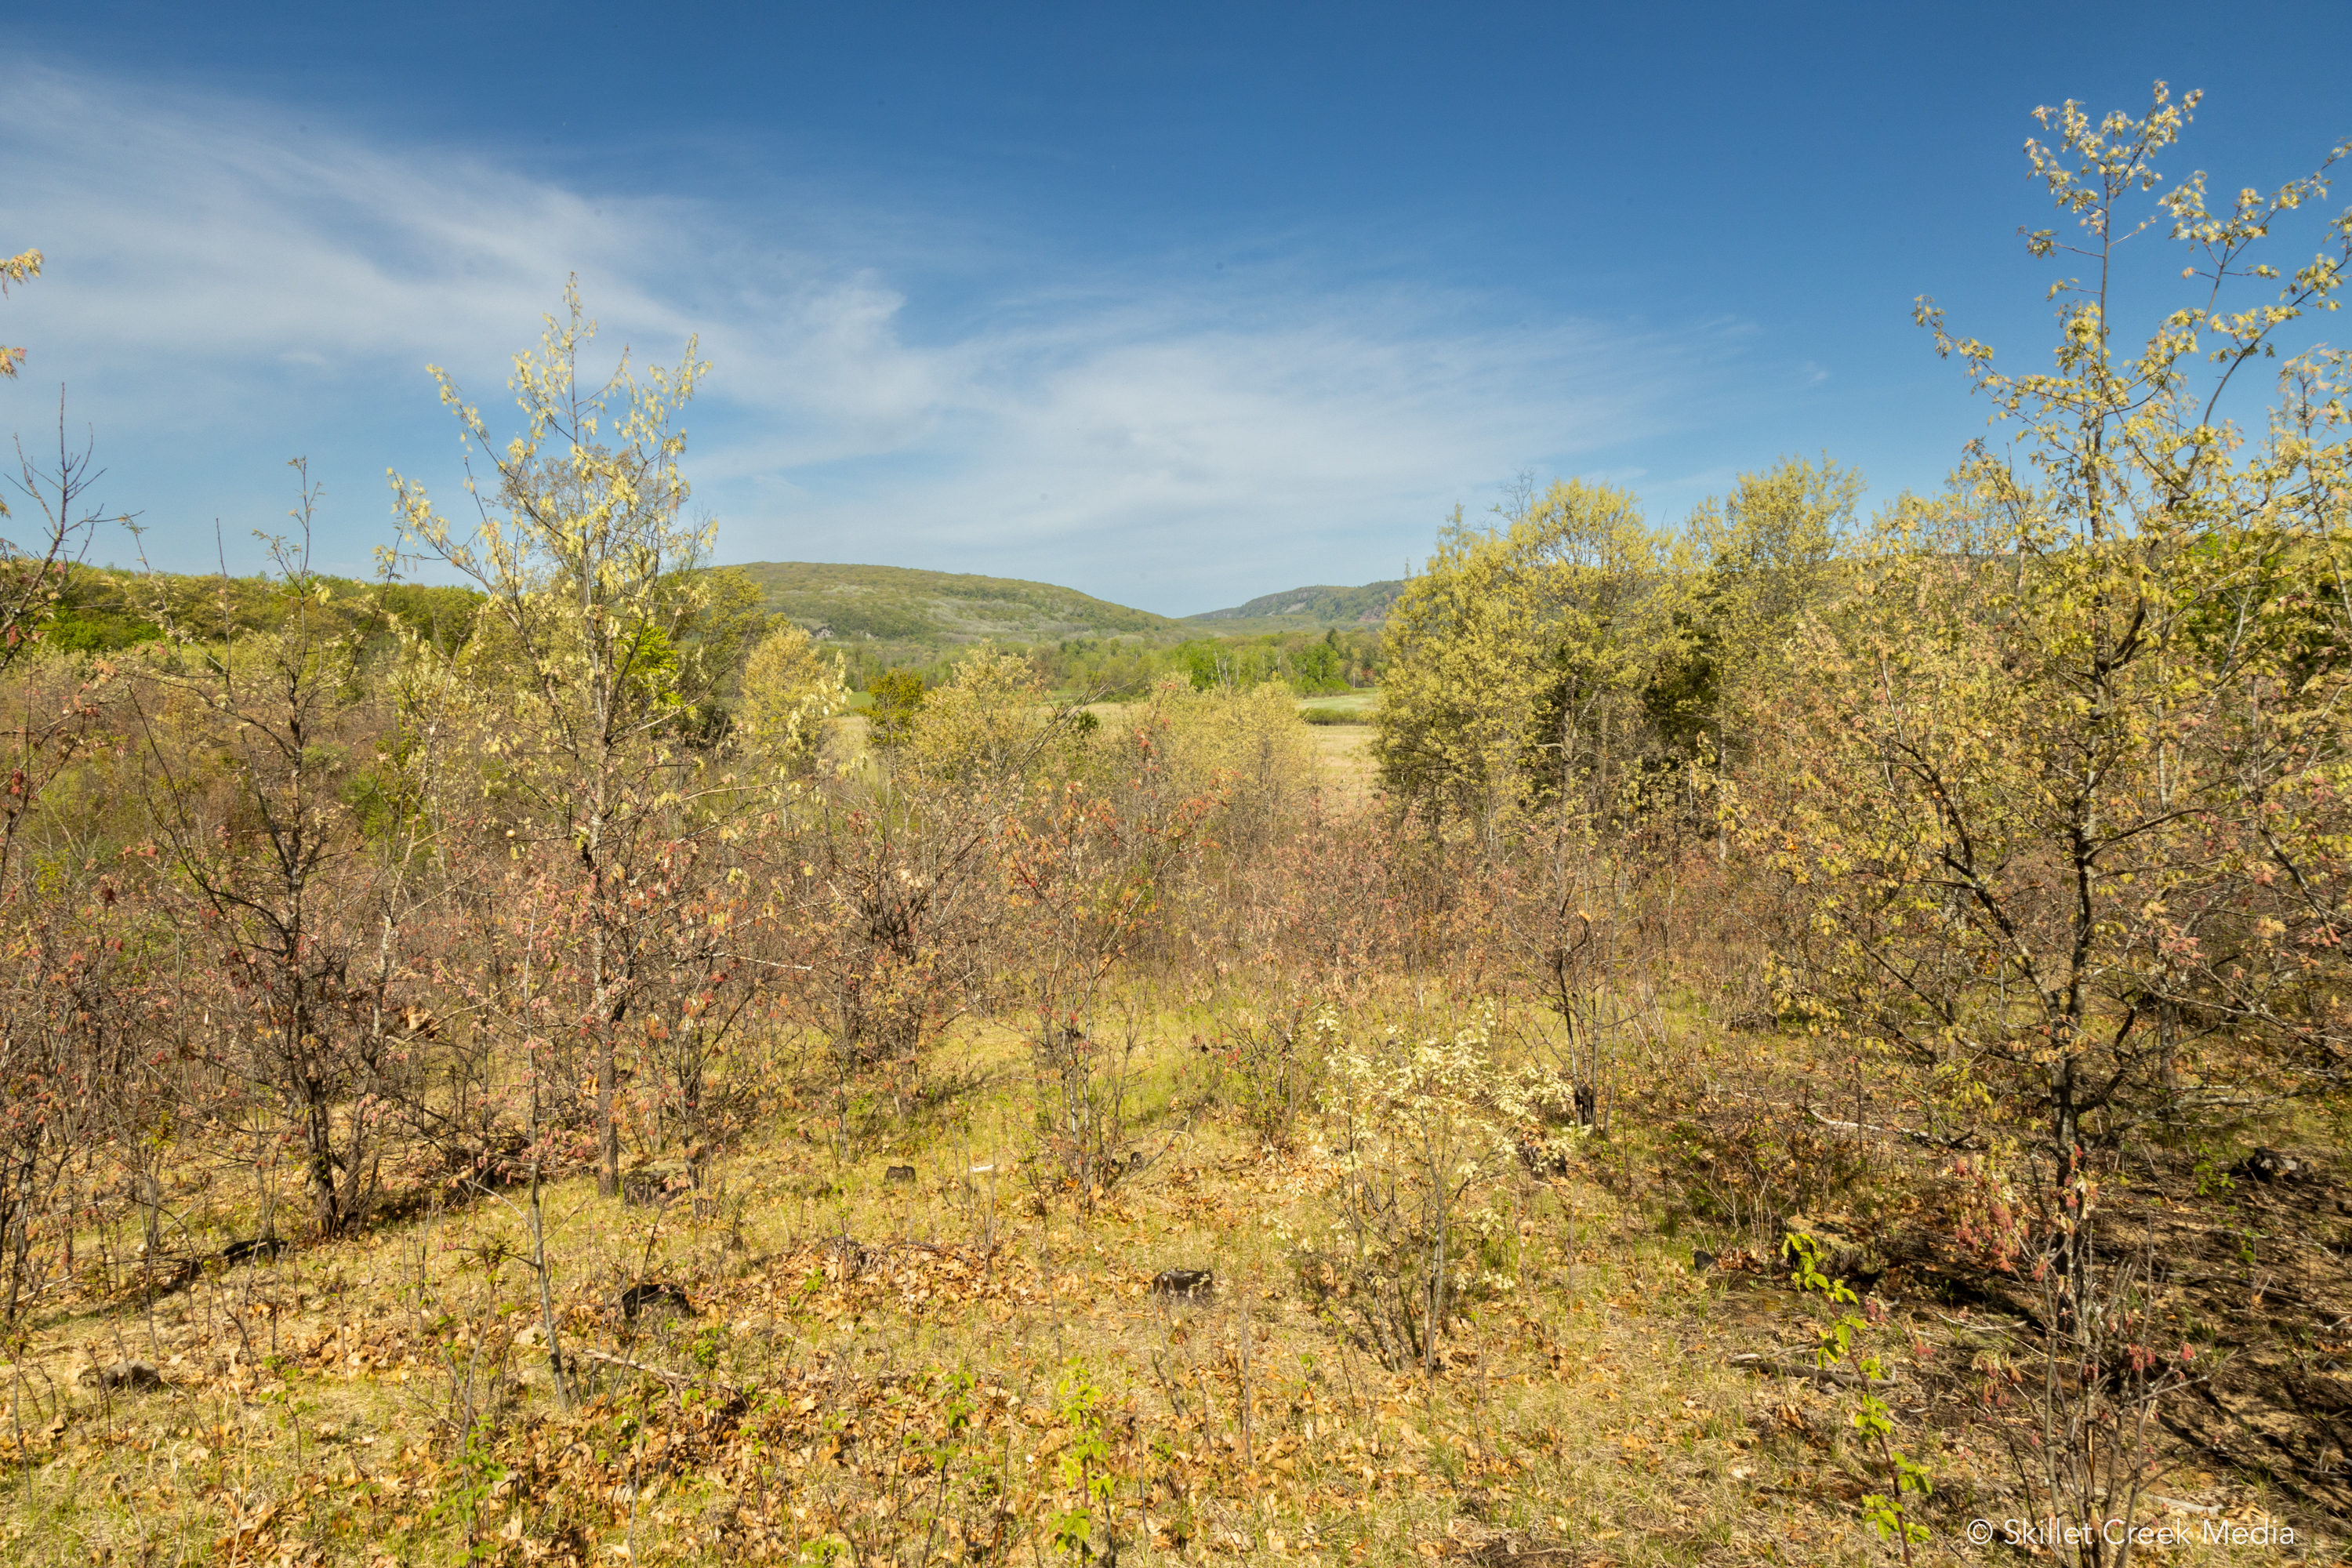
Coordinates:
[873,619]
[913,616]
[1314,607]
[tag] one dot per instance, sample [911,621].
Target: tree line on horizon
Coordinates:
[105,610]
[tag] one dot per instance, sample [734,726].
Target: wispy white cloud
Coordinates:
[212,236]
[225,288]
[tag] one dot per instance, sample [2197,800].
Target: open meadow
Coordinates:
[1790,1038]
[868,1333]
[1325,1239]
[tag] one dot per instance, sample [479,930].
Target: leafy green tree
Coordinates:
[591,574]
[1770,550]
[1519,660]
[790,687]
[982,728]
[2064,796]
[897,697]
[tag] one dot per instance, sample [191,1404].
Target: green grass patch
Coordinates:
[1347,707]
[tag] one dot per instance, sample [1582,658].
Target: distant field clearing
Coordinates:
[1340,708]
[1340,729]
[1341,742]
[1338,733]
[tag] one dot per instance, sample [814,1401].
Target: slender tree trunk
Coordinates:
[314,1102]
[608,1131]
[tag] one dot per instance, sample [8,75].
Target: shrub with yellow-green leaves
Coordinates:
[1423,1132]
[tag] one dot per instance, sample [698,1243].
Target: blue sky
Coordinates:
[1176,305]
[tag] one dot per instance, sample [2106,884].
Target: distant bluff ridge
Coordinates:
[1320,605]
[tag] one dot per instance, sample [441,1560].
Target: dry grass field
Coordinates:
[1343,751]
[929,1349]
